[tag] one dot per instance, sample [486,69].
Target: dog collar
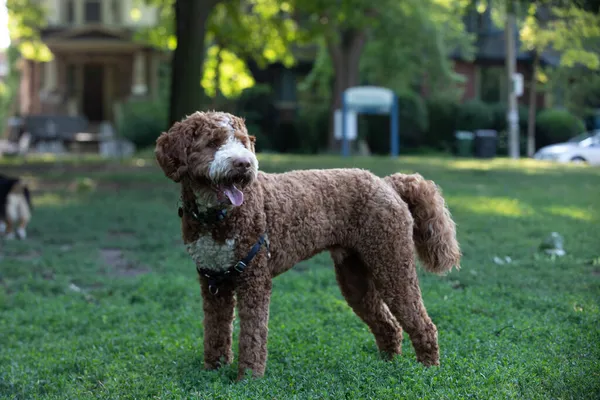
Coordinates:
[211,215]
[214,279]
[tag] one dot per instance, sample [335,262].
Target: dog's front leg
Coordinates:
[218,324]
[254,296]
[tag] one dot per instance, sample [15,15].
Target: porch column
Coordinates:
[50,75]
[139,86]
[25,87]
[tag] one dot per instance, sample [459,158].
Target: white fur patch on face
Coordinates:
[210,255]
[229,152]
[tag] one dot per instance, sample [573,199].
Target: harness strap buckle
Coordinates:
[240,266]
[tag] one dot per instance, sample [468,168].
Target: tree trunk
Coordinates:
[512,115]
[188,58]
[345,57]
[532,106]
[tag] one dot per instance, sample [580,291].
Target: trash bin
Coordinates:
[485,143]
[464,143]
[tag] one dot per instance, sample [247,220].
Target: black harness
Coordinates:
[216,278]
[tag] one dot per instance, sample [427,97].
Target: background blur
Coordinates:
[77,74]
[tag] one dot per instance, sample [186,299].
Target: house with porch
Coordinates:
[485,75]
[96,63]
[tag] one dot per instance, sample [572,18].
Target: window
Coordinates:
[69,11]
[93,11]
[493,88]
[286,86]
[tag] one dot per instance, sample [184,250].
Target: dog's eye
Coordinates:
[214,143]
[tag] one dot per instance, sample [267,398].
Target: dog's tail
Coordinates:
[434,231]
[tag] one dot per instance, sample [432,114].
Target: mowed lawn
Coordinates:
[103,302]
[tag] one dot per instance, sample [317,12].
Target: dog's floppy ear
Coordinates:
[252,143]
[171,154]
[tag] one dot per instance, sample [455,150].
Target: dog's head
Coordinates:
[213,152]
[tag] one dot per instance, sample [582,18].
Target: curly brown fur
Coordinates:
[360,218]
[434,231]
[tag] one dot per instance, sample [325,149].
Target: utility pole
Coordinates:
[512,114]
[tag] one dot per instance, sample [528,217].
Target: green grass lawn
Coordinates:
[102,301]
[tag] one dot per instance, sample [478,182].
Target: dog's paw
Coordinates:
[10,236]
[22,233]
[2,227]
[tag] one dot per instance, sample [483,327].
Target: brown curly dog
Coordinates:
[243,227]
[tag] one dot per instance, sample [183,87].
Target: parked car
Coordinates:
[584,148]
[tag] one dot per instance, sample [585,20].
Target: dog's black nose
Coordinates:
[241,164]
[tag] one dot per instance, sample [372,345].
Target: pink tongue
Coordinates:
[234,194]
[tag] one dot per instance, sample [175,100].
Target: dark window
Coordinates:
[70,11]
[93,11]
[492,87]
[286,87]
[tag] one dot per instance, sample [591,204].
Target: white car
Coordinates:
[584,148]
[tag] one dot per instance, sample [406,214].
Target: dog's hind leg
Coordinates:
[24,216]
[396,279]
[360,293]
[218,324]
[387,248]
[12,215]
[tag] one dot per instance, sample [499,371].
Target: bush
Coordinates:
[474,115]
[499,116]
[311,128]
[413,124]
[442,114]
[555,126]
[142,121]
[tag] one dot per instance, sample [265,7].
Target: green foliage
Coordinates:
[499,111]
[25,19]
[142,122]
[76,325]
[574,32]
[556,125]
[310,126]
[393,58]
[9,88]
[237,32]
[579,89]
[473,115]
[442,112]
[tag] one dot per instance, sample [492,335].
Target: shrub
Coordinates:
[499,116]
[474,115]
[142,121]
[555,125]
[413,124]
[442,114]
[311,128]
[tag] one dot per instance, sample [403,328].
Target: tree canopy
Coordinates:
[25,18]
